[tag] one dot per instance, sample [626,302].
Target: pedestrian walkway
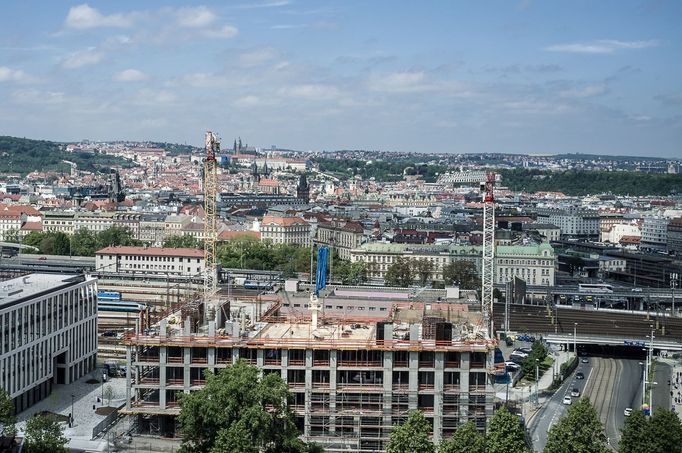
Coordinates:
[676,387]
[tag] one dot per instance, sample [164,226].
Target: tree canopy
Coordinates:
[505,433]
[466,439]
[7,418]
[23,156]
[579,183]
[400,273]
[182,241]
[351,273]
[43,434]
[664,432]
[238,411]
[635,433]
[462,273]
[249,253]
[412,436]
[578,431]
[82,243]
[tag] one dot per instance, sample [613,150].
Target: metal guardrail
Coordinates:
[108,421]
[612,341]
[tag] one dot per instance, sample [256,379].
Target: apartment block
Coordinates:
[285,230]
[150,260]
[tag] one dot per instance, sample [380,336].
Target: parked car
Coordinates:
[42,258]
[627,412]
[525,350]
[511,366]
[585,360]
[579,375]
[567,400]
[575,393]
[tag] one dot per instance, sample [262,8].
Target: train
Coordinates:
[595,287]
[256,284]
[103,296]
[125,306]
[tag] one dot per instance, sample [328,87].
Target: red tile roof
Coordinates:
[151,251]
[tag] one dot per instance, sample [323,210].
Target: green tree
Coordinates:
[12,235]
[635,434]
[351,273]
[578,431]
[237,411]
[83,243]
[181,241]
[43,434]
[412,436]
[423,268]
[400,273]
[466,439]
[116,236]
[462,273]
[665,432]
[505,433]
[62,244]
[537,355]
[7,418]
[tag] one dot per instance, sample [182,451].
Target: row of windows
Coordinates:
[169,259]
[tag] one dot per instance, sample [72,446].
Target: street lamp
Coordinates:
[575,343]
[537,378]
[651,400]
[72,415]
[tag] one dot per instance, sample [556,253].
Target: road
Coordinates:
[610,384]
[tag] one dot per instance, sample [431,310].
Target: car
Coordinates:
[512,366]
[579,375]
[516,359]
[519,353]
[585,360]
[627,412]
[575,392]
[42,258]
[525,350]
[636,290]
[567,400]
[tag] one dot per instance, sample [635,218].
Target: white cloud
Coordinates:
[605,46]
[415,82]
[84,16]
[586,91]
[196,17]
[130,75]
[226,31]
[31,96]
[154,97]
[82,58]
[12,75]
[256,57]
[248,101]
[311,92]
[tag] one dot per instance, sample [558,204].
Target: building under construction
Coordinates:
[355,368]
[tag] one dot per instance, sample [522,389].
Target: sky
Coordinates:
[517,76]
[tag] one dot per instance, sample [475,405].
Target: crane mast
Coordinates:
[488,265]
[210,228]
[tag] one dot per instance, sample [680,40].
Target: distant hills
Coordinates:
[23,155]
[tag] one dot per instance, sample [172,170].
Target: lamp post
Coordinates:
[537,378]
[643,380]
[673,285]
[651,398]
[72,414]
[575,343]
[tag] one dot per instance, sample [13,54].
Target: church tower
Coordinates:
[303,189]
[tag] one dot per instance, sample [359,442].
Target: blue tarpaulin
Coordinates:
[321,274]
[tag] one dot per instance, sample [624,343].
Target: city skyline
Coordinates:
[520,77]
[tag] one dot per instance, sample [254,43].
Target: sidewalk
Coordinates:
[676,387]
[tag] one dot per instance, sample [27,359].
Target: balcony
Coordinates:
[175,359]
[477,388]
[199,360]
[426,386]
[360,363]
[401,386]
[297,362]
[451,388]
[175,381]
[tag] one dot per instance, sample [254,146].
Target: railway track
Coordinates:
[537,319]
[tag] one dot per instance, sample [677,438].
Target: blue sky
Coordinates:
[444,76]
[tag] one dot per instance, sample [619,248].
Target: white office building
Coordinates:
[48,332]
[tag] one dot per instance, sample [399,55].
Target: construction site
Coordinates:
[356,359]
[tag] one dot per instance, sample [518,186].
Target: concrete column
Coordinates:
[163,358]
[308,390]
[332,390]
[185,368]
[235,354]
[438,397]
[128,374]
[162,328]
[285,363]
[388,386]
[413,398]
[465,366]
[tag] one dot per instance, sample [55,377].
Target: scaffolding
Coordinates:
[210,226]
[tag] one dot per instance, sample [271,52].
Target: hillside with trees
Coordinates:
[22,155]
[580,183]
